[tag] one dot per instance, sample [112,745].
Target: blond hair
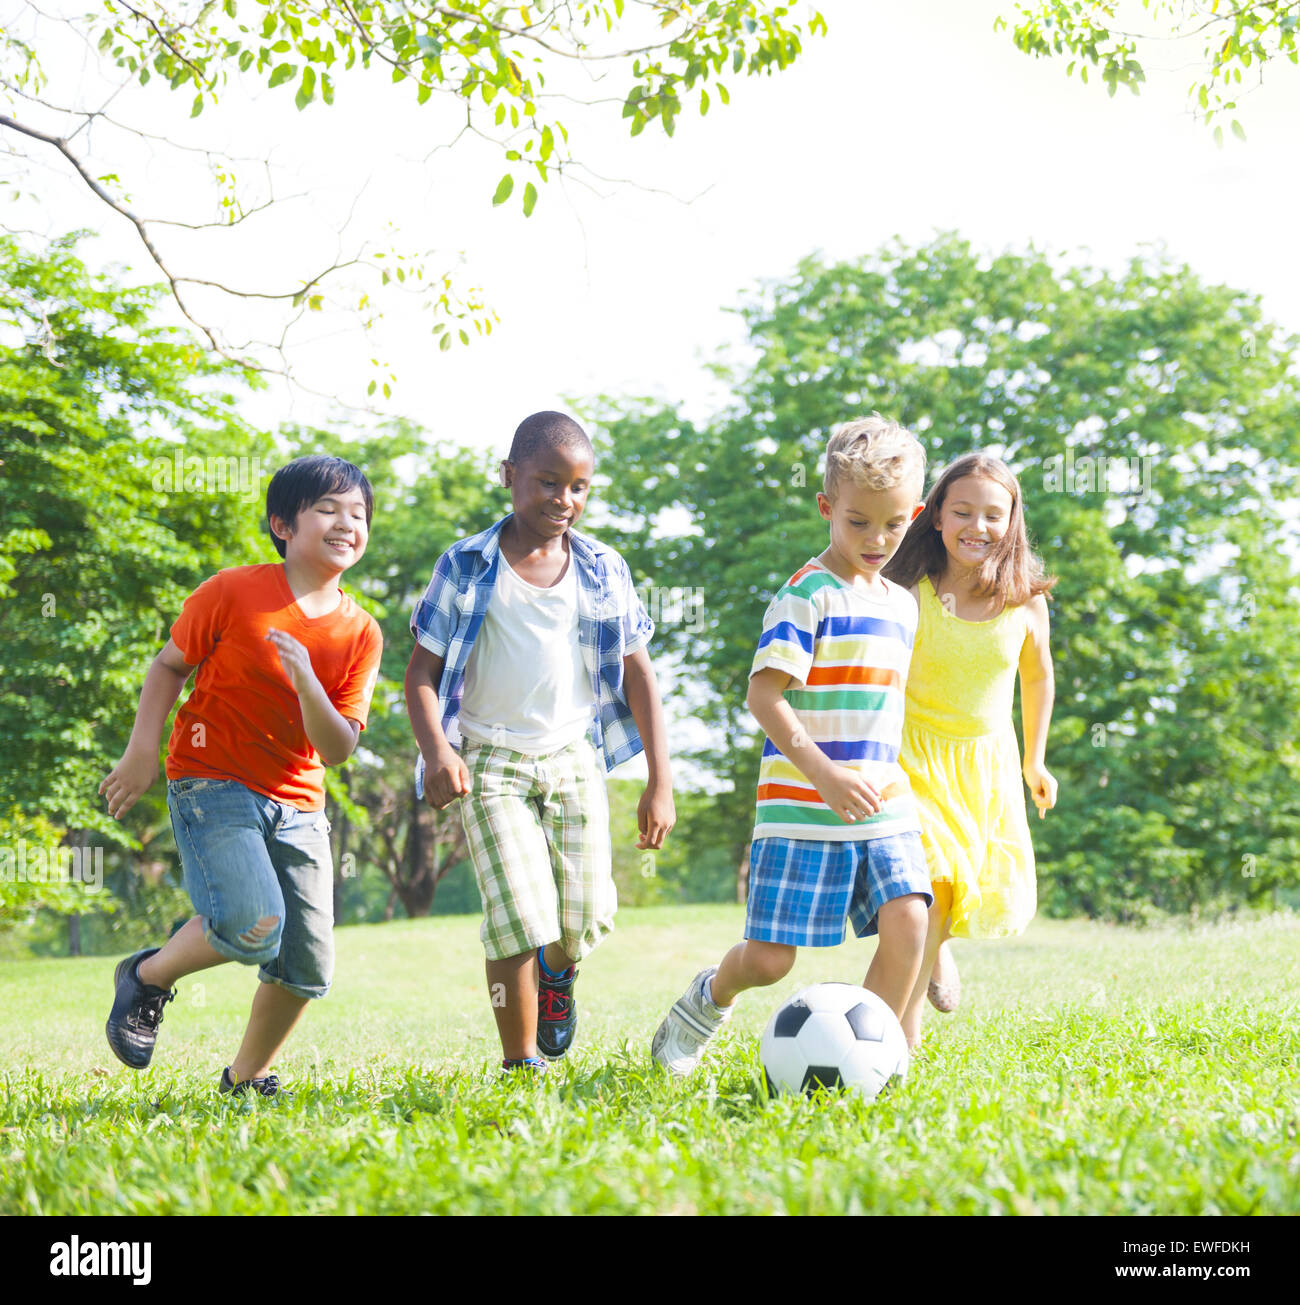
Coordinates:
[874,454]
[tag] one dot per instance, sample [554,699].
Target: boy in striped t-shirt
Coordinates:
[836,835]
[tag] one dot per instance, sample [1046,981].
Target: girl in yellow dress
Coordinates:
[983,617]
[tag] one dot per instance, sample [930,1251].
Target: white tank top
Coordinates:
[526,685]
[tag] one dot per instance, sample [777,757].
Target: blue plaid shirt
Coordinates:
[612,624]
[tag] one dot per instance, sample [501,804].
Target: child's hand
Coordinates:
[445,781]
[1042,786]
[129,781]
[849,795]
[294,658]
[655,816]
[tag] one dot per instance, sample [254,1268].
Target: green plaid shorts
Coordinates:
[538,836]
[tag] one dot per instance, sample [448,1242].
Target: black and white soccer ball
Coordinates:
[833,1035]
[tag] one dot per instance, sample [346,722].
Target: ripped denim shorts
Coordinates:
[261,877]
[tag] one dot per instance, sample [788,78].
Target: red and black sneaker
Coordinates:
[557,1012]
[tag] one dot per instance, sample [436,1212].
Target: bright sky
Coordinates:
[909,118]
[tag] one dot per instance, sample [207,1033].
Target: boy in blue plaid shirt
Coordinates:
[530,666]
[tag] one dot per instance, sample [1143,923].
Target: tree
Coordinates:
[1237,41]
[507,71]
[124,466]
[1152,420]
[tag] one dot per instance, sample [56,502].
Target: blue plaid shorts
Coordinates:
[801,891]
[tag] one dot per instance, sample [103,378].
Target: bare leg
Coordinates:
[275,1012]
[512,986]
[940,913]
[894,968]
[751,964]
[556,958]
[185,952]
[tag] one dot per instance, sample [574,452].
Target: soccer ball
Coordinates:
[833,1035]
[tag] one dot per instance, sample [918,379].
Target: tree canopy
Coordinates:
[1153,422]
[1236,42]
[514,77]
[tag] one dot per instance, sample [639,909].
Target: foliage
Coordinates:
[1092,1070]
[1238,41]
[98,546]
[1176,612]
[507,73]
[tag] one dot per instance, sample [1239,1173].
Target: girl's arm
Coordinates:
[1037,690]
[134,775]
[656,814]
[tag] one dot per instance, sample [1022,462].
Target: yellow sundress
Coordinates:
[960,753]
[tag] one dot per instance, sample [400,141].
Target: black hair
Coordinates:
[304,481]
[544,431]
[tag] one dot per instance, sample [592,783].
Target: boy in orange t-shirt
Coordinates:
[286,666]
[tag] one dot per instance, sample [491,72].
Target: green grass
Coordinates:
[1090,1070]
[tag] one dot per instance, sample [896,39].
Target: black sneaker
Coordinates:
[557,1012]
[531,1065]
[132,1026]
[264,1087]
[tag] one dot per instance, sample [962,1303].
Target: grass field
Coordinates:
[1090,1070]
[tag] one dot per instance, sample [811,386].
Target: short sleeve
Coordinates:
[789,630]
[433,622]
[352,697]
[198,628]
[637,625]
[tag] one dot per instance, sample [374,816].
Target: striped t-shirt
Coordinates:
[848,652]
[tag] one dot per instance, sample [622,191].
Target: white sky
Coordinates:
[909,118]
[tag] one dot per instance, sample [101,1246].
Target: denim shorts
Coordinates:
[248,859]
[801,891]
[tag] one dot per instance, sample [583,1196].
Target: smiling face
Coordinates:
[974,517]
[867,526]
[328,535]
[549,491]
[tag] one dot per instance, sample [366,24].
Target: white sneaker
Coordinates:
[680,1040]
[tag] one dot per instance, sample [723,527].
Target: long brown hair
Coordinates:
[1011,569]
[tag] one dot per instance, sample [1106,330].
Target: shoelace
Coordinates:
[555,1005]
[150,1011]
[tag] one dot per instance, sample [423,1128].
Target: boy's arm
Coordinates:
[1037,692]
[842,789]
[331,733]
[135,773]
[446,777]
[655,813]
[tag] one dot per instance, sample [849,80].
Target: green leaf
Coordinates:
[307,90]
[504,187]
[530,200]
[1238,130]
[283,73]
[444,343]
[197,106]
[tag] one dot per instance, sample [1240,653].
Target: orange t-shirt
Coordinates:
[243,720]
